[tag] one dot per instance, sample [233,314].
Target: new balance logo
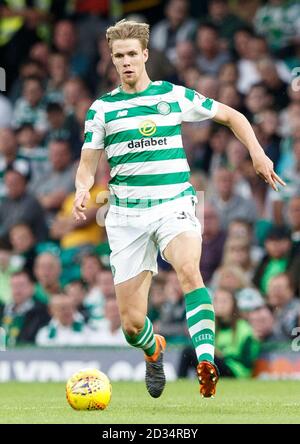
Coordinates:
[122,113]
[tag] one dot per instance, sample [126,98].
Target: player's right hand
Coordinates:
[80,205]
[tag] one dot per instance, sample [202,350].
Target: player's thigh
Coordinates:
[184,248]
[132,297]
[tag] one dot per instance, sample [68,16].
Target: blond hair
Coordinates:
[127,29]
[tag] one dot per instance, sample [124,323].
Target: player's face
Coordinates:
[129,58]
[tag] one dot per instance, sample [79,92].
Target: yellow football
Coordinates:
[88,389]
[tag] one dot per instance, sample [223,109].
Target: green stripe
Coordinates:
[189,94]
[134,339]
[152,90]
[206,357]
[134,134]
[88,137]
[200,316]
[207,104]
[139,111]
[147,203]
[204,341]
[196,297]
[148,156]
[150,179]
[90,114]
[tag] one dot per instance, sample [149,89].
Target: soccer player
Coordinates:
[152,204]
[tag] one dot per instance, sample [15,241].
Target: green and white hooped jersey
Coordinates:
[141,134]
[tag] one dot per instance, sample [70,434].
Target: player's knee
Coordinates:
[189,275]
[131,327]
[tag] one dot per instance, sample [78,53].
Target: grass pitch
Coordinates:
[253,402]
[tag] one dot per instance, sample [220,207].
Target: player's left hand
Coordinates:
[265,169]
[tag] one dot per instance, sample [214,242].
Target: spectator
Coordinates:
[237,253]
[270,77]
[47,270]
[268,134]
[74,90]
[230,205]
[72,234]
[236,347]
[228,74]
[91,266]
[242,229]
[229,277]
[185,59]
[286,307]
[294,222]
[262,322]
[289,117]
[171,322]
[176,27]
[6,270]
[59,72]
[251,48]
[291,176]
[8,154]
[210,56]
[33,153]
[30,108]
[157,296]
[76,123]
[220,15]
[77,291]
[24,316]
[6,112]
[213,240]
[278,21]
[23,243]
[248,300]
[65,42]
[229,95]
[59,124]
[53,187]
[40,53]
[258,99]
[105,283]
[19,205]
[108,331]
[277,258]
[236,157]
[19,34]
[66,326]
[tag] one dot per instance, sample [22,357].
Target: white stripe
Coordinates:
[148,192]
[133,123]
[205,348]
[145,335]
[136,101]
[150,344]
[157,167]
[191,313]
[119,149]
[201,325]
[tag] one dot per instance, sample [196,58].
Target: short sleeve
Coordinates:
[94,128]
[194,106]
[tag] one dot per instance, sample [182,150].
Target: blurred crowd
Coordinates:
[56,287]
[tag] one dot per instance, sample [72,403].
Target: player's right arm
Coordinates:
[84,181]
[94,133]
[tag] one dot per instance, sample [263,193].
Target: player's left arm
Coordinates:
[242,129]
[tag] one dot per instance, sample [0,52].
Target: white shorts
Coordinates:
[136,238]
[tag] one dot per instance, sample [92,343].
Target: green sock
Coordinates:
[145,339]
[201,323]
